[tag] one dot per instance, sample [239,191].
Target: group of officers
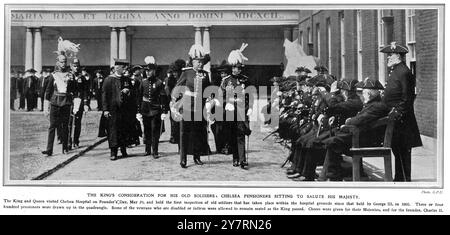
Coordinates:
[135,101]
[317,114]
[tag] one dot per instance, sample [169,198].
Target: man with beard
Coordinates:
[341,142]
[193,127]
[152,108]
[116,108]
[399,96]
[58,102]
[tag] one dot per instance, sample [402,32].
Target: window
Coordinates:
[301,38]
[381,43]
[342,49]
[329,43]
[359,43]
[411,38]
[318,40]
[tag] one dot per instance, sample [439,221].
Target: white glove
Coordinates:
[106,114]
[216,102]
[76,105]
[139,117]
[320,118]
[229,107]
[163,116]
[86,108]
[249,112]
[46,108]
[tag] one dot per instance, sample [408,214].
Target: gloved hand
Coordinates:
[163,116]
[86,108]
[106,114]
[139,117]
[320,118]
[76,105]
[331,120]
[229,107]
[125,91]
[46,108]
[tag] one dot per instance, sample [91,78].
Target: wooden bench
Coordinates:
[357,152]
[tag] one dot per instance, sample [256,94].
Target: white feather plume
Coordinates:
[236,56]
[68,47]
[197,51]
[150,60]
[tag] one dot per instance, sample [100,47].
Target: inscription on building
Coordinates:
[151,17]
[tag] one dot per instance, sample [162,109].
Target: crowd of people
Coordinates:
[315,112]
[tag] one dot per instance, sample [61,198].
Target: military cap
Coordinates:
[121,62]
[320,68]
[76,61]
[395,48]
[347,84]
[303,69]
[224,67]
[30,71]
[370,83]
[136,67]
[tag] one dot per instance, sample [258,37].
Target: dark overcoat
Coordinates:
[400,94]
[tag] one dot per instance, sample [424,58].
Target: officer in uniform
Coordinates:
[238,107]
[58,102]
[80,103]
[193,126]
[340,143]
[399,96]
[116,108]
[153,106]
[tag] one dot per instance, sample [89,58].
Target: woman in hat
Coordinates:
[193,126]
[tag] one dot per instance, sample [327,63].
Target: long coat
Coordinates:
[372,111]
[116,98]
[194,133]
[400,94]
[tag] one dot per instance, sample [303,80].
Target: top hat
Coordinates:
[136,67]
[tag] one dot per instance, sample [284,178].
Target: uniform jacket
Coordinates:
[152,98]
[196,82]
[43,82]
[400,94]
[169,84]
[372,111]
[98,84]
[60,87]
[81,89]
[114,93]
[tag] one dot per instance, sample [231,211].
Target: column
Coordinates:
[37,65]
[207,47]
[295,33]
[122,43]
[288,36]
[198,35]
[29,49]
[113,45]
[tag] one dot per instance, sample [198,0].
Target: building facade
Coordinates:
[346,41]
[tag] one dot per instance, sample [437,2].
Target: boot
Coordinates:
[148,150]
[123,150]
[197,160]
[113,154]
